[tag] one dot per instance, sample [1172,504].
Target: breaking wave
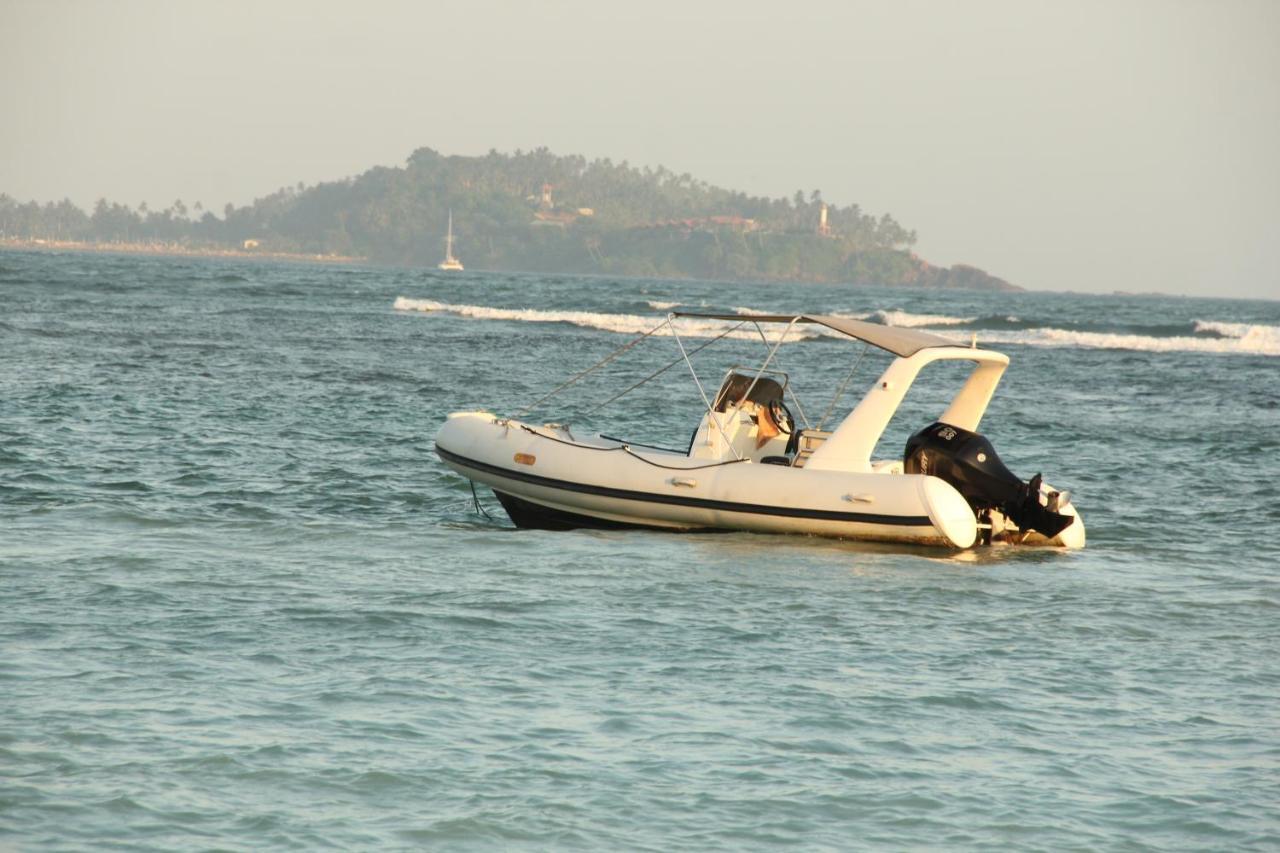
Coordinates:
[1206,336]
[1226,330]
[913,321]
[1202,336]
[658,305]
[628,324]
[1253,340]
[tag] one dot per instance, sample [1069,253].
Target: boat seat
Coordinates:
[807,441]
[734,390]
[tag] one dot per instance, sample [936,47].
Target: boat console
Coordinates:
[751,421]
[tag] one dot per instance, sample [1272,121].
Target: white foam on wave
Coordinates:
[1252,340]
[627,324]
[1233,330]
[905,320]
[1239,338]
[658,305]
[900,319]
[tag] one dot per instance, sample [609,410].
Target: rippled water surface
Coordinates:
[243,603]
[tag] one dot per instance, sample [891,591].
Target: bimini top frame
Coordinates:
[850,445]
[901,342]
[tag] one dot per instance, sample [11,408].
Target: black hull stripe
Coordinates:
[681,500]
[525,513]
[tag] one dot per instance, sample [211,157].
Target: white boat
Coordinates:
[750,466]
[449,262]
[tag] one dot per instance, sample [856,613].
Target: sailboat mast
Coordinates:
[449,262]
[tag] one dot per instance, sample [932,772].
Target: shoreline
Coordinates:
[171,250]
[177,250]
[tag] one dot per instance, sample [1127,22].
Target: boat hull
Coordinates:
[525,513]
[546,478]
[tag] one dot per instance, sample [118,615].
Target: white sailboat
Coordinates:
[450,262]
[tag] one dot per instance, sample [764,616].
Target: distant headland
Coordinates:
[531,211]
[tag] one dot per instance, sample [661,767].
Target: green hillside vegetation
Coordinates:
[531,211]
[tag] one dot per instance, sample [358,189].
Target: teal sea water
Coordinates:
[243,604]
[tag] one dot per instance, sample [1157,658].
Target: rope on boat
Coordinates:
[475,498]
[684,356]
[712,420]
[626,448]
[635,455]
[661,371]
[843,385]
[579,376]
[795,398]
[768,359]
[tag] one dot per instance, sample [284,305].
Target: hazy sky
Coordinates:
[1065,145]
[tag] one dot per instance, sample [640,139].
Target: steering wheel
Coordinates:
[781,416]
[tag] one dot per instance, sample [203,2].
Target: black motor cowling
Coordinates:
[968,462]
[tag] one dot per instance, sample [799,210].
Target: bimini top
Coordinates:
[900,342]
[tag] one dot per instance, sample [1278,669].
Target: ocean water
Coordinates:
[243,604]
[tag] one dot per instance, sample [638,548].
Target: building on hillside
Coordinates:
[736,223]
[558,218]
[721,222]
[824,230]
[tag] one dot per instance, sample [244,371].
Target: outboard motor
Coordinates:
[968,462]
